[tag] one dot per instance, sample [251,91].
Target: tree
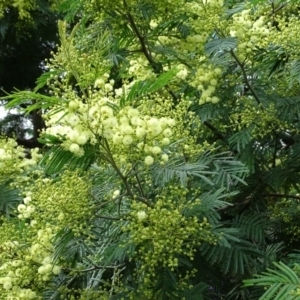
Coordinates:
[171,162]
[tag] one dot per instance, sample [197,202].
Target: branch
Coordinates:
[241,65]
[123,178]
[281,196]
[214,129]
[141,39]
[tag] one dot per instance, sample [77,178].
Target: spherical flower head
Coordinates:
[156,150]
[108,87]
[171,122]
[141,145]
[182,74]
[117,138]
[116,193]
[132,112]
[163,122]
[165,141]
[99,82]
[127,140]
[127,129]
[21,208]
[153,122]
[149,160]
[42,270]
[106,111]
[167,132]
[30,209]
[134,120]
[56,270]
[165,157]
[215,100]
[110,122]
[33,223]
[140,132]
[29,294]
[141,215]
[82,138]
[213,82]
[124,120]
[74,148]
[153,23]
[7,284]
[140,123]
[73,105]
[155,130]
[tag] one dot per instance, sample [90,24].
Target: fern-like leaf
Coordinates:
[220,45]
[9,198]
[57,158]
[282,283]
[175,169]
[141,88]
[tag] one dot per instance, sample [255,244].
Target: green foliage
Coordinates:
[171,156]
[282,283]
[9,199]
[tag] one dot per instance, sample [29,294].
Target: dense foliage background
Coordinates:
[167,157]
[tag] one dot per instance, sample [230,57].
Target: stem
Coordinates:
[214,130]
[123,178]
[241,65]
[281,196]
[141,38]
[140,186]
[98,207]
[113,164]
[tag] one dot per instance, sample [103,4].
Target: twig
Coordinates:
[141,39]
[241,65]
[140,186]
[281,196]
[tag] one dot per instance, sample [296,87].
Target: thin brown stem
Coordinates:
[282,196]
[140,186]
[141,38]
[250,87]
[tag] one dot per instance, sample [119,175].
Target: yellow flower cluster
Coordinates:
[27,246]
[245,112]
[12,158]
[140,68]
[162,232]
[287,211]
[125,128]
[251,32]
[66,200]
[26,262]
[204,17]
[23,6]
[206,79]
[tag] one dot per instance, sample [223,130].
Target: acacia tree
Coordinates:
[170,168]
